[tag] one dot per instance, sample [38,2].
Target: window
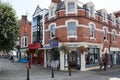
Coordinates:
[92,30]
[52,13]
[52,9]
[113,35]
[91,11]
[71,28]
[24,41]
[93,56]
[71,7]
[113,19]
[52,31]
[104,16]
[105,33]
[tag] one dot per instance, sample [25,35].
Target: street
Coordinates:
[17,71]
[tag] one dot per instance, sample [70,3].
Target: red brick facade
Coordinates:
[83,18]
[25,29]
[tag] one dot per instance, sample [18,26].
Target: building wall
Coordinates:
[82,29]
[25,29]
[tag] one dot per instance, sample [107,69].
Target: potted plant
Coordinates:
[64,49]
[37,52]
[82,49]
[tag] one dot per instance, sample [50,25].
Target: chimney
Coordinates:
[56,1]
[24,19]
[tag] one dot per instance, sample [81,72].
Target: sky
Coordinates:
[23,7]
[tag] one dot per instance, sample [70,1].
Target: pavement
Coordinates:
[17,71]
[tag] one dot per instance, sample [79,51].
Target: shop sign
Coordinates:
[53,43]
[72,45]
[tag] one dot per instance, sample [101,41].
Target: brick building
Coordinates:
[25,37]
[75,25]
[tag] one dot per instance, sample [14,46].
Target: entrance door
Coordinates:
[72,57]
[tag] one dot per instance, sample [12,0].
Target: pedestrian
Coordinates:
[101,63]
[105,63]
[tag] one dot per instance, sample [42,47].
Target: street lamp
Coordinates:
[27,67]
[28,64]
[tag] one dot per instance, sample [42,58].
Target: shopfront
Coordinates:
[36,58]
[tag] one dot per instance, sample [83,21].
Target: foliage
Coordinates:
[64,49]
[37,51]
[8,27]
[82,49]
[27,52]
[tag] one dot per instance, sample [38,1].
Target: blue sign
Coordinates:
[53,43]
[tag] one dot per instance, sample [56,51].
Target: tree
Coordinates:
[8,27]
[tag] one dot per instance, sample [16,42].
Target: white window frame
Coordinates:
[104,14]
[114,35]
[75,6]
[89,5]
[113,19]
[23,41]
[52,9]
[94,26]
[104,32]
[50,29]
[66,23]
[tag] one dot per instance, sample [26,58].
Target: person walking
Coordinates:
[101,63]
[105,63]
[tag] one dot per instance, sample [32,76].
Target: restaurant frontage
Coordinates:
[36,58]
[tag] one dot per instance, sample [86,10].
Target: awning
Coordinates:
[34,46]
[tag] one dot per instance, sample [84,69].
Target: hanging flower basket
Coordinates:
[38,52]
[82,49]
[64,49]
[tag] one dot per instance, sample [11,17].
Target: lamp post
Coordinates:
[28,64]
[27,67]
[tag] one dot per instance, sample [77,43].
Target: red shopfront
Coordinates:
[36,58]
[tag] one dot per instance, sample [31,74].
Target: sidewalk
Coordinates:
[17,71]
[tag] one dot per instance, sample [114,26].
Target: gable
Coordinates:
[38,10]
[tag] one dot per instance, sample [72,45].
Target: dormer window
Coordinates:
[52,9]
[113,19]
[90,7]
[71,6]
[104,16]
[91,10]
[52,12]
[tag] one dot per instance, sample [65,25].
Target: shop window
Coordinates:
[93,56]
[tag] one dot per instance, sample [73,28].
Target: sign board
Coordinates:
[53,43]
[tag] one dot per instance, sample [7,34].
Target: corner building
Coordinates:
[76,24]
